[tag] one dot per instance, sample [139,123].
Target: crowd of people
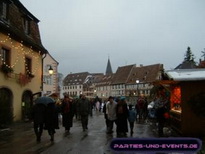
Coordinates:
[46,116]
[117,111]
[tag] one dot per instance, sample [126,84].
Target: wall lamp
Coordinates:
[50,70]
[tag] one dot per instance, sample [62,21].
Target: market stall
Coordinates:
[187,100]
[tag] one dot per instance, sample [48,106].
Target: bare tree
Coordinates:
[203,54]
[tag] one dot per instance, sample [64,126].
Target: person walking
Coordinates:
[84,108]
[161,109]
[122,115]
[51,120]
[67,113]
[111,114]
[145,109]
[131,118]
[140,108]
[105,115]
[38,116]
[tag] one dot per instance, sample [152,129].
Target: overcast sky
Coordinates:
[81,34]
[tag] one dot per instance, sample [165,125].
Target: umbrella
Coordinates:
[44,100]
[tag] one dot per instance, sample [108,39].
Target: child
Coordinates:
[131,118]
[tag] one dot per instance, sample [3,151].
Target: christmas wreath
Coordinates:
[197,104]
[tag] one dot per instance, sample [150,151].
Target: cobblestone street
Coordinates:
[20,138]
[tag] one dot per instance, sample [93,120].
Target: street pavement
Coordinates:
[20,138]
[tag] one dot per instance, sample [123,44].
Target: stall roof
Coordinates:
[186,74]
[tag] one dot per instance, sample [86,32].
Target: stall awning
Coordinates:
[186,74]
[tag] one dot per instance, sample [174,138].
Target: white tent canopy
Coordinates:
[186,74]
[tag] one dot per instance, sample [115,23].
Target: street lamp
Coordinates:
[95,92]
[137,82]
[50,70]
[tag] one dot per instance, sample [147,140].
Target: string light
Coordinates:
[19,48]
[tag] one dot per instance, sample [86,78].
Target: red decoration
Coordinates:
[24,79]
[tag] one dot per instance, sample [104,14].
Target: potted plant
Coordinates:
[6,69]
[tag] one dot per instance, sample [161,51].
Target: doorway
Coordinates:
[6,107]
[27,104]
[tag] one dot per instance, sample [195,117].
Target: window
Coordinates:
[28,65]
[48,80]
[4,8]
[26,23]
[5,56]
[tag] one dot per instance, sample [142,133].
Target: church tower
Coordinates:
[109,68]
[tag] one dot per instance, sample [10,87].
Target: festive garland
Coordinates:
[197,104]
[22,52]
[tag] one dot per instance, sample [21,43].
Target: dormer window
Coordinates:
[4,9]
[26,24]
[145,78]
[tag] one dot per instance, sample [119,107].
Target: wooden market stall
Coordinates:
[187,101]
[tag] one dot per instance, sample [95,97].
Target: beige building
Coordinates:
[50,79]
[103,86]
[21,54]
[73,83]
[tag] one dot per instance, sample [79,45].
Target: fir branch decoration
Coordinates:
[6,69]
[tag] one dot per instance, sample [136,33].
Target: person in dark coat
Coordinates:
[38,116]
[161,106]
[122,115]
[84,108]
[67,113]
[105,115]
[161,120]
[51,121]
[140,106]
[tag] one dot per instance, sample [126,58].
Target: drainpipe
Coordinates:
[43,57]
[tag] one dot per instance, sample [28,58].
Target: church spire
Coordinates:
[109,68]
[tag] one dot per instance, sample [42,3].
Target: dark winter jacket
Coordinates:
[51,121]
[84,107]
[68,110]
[38,113]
